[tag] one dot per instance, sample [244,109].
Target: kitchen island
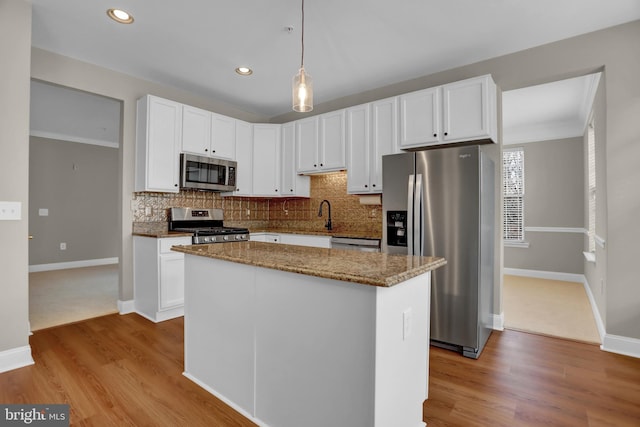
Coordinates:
[291,335]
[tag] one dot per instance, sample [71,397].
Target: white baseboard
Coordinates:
[126,307]
[15,358]
[72,264]
[621,345]
[498,321]
[549,275]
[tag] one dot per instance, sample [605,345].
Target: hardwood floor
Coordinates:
[125,370]
[523,379]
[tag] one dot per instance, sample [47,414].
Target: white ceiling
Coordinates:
[549,111]
[350,46]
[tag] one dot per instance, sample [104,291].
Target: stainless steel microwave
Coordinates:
[207,173]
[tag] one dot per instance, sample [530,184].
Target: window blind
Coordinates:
[513,190]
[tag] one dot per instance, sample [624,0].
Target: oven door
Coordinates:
[205,173]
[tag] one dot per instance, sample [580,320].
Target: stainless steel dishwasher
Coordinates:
[364,245]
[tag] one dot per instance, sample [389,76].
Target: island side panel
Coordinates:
[220,329]
[402,352]
[315,346]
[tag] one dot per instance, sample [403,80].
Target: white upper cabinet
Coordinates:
[384,137]
[470,110]
[196,130]
[307,140]
[320,143]
[420,118]
[372,132]
[332,151]
[292,184]
[266,160]
[358,149]
[223,137]
[158,144]
[456,112]
[244,157]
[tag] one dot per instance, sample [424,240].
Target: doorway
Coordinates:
[73,198]
[544,173]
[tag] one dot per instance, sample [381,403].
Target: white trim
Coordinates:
[586,109]
[72,264]
[126,307]
[235,406]
[15,358]
[497,321]
[557,229]
[599,241]
[70,138]
[589,256]
[621,345]
[594,308]
[550,275]
[515,244]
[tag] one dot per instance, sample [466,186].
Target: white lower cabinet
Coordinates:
[158,288]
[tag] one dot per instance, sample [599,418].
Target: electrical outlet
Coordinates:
[147,211]
[406,324]
[11,211]
[248,212]
[63,246]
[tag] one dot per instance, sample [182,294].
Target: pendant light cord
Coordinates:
[302,38]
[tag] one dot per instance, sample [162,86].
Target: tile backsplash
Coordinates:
[347,214]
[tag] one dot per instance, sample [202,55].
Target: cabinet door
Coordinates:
[384,137]
[307,138]
[244,157]
[420,118]
[332,141]
[223,137]
[171,280]
[466,109]
[358,149]
[292,184]
[163,141]
[196,130]
[266,160]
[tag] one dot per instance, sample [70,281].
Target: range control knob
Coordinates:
[226,237]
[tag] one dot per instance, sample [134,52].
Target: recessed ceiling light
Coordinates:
[244,71]
[120,16]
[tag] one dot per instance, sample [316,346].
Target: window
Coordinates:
[513,190]
[591,159]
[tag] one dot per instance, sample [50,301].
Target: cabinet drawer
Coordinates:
[167,242]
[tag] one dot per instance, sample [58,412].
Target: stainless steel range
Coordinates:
[206,226]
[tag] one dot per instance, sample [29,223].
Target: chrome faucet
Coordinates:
[328,223]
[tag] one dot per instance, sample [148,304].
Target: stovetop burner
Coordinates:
[206,226]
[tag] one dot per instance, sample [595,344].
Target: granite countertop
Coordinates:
[368,268]
[156,229]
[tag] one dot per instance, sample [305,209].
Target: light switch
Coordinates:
[11,211]
[43,212]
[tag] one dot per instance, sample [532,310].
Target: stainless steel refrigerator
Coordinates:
[440,202]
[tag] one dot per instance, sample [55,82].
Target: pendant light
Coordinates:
[302,82]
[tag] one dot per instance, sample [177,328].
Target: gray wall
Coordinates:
[554,198]
[15,50]
[78,184]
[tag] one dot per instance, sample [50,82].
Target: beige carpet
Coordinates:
[64,296]
[549,307]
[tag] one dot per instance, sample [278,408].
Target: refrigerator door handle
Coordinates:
[418,235]
[410,204]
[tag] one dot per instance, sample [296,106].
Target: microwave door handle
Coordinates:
[410,227]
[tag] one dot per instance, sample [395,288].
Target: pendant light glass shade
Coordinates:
[302,92]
